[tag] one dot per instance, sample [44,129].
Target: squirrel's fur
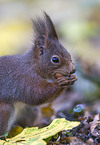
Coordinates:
[35,77]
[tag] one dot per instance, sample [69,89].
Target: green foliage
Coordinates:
[4,135]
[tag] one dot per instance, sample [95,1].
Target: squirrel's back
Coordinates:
[15,73]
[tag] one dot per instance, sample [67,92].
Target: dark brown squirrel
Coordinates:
[35,77]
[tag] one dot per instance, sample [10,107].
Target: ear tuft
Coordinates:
[44,31]
[51,29]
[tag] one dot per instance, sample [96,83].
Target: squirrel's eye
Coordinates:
[55,59]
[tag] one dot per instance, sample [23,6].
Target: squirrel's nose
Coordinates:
[73,71]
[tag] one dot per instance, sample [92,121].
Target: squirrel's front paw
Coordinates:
[66,80]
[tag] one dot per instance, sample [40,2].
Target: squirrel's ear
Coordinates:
[41,34]
[51,29]
[41,43]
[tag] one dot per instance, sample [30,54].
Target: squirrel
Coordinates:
[36,77]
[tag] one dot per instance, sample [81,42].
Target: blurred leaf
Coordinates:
[77,30]
[77,109]
[15,131]
[47,111]
[14,36]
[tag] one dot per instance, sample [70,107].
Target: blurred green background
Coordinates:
[78,25]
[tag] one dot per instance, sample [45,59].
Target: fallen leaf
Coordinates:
[35,136]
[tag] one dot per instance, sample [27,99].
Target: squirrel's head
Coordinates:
[50,55]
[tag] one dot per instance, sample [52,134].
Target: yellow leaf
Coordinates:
[35,136]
